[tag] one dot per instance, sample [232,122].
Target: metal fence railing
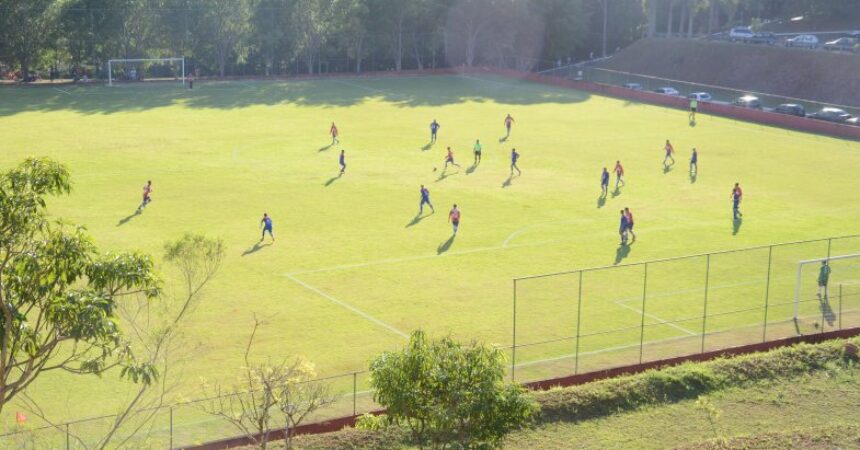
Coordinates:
[594,319]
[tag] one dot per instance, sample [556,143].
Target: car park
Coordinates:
[634,86]
[700,96]
[748,101]
[742,34]
[764,38]
[667,91]
[845,44]
[831,115]
[803,41]
[792,109]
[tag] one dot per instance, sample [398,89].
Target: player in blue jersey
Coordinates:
[694,162]
[622,230]
[266,222]
[342,161]
[604,182]
[737,196]
[425,199]
[514,158]
[434,128]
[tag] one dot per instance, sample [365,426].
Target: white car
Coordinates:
[740,34]
[700,96]
[803,40]
[667,91]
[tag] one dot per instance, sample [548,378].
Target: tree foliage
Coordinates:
[450,394]
[58,294]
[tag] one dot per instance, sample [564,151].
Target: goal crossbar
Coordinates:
[799,274]
[136,60]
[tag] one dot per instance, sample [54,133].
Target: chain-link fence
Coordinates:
[717,93]
[594,319]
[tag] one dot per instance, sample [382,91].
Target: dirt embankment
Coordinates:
[808,74]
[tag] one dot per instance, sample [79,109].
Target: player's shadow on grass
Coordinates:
[601,201]
[322,149]
[417,219]
[693,176]
[667,168]
[693,123]
[736,226]
[332,180]
[427,146]
[826,310]
[503,139]
[445,246]
[255,248]
[127,219]
[616,192]
[621,252]
[472,168]
[445,174]
[509,181]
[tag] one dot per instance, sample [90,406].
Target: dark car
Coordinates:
[764,38]
[791,109]
[748,101]
[845,44]
[853,121]
[831,115]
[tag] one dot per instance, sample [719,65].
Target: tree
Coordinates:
[262,390]
[25,30]
[448,393]
[58,294]
[223,26]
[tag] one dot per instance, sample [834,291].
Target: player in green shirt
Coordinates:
[823,278]
[477,151]
[694,105]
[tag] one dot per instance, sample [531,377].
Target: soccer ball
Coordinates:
[434,169]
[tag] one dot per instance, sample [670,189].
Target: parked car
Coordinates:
[803,40]
[853,121]
[634,86]
[764,38]
[748,101]
[792,109]
[742,34]
[700,96]
[667,91]
[846,44]
[831,115]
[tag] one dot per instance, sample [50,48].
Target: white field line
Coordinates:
[348,306]
[63,91]
[653,317]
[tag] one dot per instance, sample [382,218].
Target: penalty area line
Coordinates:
[347,306]
[63,91]
[659,320]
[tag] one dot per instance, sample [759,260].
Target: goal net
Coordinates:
[134,70]
[826,287]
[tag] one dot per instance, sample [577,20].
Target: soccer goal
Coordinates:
[121,70]
[842,269]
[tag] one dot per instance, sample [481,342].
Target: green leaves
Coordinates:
[446,392]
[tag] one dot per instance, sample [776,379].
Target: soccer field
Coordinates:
[353,269]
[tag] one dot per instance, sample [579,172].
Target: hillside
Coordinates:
[814,75]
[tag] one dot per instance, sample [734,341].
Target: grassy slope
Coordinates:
[222,154]
[822,399]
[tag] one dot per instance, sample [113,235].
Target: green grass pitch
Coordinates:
[353,269]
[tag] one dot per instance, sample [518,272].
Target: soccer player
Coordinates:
[823,278]
[619,174]
[266,222]
[425,199]
[509,121]
[669,151]
[737,196]
[450,159]
[694,162]
[630,223]
[454,218]
[622,229]
[694,105]
[147,191]
[334,133]
[514,158]
[604,182]
[342,161]
[434,128]
[477,151]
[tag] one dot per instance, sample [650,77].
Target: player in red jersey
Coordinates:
[334,133]
[454,218]
[619,174]
[147,191]
[509,121]
[669,152]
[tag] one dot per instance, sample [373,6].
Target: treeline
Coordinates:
[276,37]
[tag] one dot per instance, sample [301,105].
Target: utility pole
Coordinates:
[605,18]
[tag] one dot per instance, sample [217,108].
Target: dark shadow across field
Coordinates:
[255,248]
[431,90]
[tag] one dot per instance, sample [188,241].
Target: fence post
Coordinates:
[766,294]
[354,391]
[68,440]
[514,339]
[840,306]
[705,304]
[642,324]
[171,427]
[578,316]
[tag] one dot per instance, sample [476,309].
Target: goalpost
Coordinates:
[817,262]
[133,74]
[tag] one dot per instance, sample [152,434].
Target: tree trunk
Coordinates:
[691,15]
[398,56]
[712,15]
[652,17]
[24,60]
[683,16]
[670,17]
[416,51]
[359,44]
